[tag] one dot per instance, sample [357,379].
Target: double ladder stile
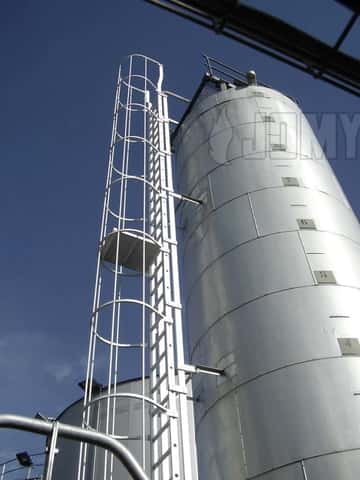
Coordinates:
[168,433]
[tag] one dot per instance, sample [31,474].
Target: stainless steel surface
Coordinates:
[128,422]
[271,268]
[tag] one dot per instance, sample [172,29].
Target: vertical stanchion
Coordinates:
[51,451]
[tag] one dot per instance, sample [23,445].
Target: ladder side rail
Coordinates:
[146,97]
[153,228]
[177,310]
[160,435]
[174,446]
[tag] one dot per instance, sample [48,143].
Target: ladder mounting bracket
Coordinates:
[201,369]
[186,198]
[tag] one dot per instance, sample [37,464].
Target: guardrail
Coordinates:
[53,430]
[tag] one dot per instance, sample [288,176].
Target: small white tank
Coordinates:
[128,420]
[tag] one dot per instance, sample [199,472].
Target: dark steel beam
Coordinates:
[272,36]
[353,5]
[346,31]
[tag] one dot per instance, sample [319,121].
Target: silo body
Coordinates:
[128,418]
[128,421]
[272,277]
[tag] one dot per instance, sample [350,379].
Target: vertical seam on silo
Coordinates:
[303,469]
[213,206]
[307,258]
[253,215]
[242,442]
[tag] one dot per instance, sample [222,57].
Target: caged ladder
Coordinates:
[138,249]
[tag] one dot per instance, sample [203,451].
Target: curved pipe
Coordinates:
[76,433]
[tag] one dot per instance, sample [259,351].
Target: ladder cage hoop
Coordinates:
[140,155]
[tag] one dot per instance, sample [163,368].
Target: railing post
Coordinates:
[29,472]
[51,451]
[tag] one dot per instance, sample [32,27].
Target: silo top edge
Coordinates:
[81,399]
[204,101]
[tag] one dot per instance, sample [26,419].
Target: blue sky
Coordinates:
[59,61]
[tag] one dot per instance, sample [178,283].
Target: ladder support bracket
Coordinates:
[178,389]
[187,198]
[202,369]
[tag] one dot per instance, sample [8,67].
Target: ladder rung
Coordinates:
[161,431]
[152,292]
[153,327]
[158,283]
[164,400]
[159,382]
[157,267]
[157,411]
[161,459]
[162,356]
[153,347]
[159,322]
[159,337]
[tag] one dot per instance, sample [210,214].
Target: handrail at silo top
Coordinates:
[43,427]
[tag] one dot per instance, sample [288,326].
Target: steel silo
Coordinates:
[271,267]
[128,421]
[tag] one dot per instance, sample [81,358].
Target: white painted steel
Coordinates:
[169,435]
[136,326]
[274,221]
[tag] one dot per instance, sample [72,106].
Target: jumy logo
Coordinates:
[337,133]
[288,136]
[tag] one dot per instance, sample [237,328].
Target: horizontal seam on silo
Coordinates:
[269,372]
[313,457]
[187,238]
[193,152]
[248,157]
[191,120]
[275,292]
[295,231]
